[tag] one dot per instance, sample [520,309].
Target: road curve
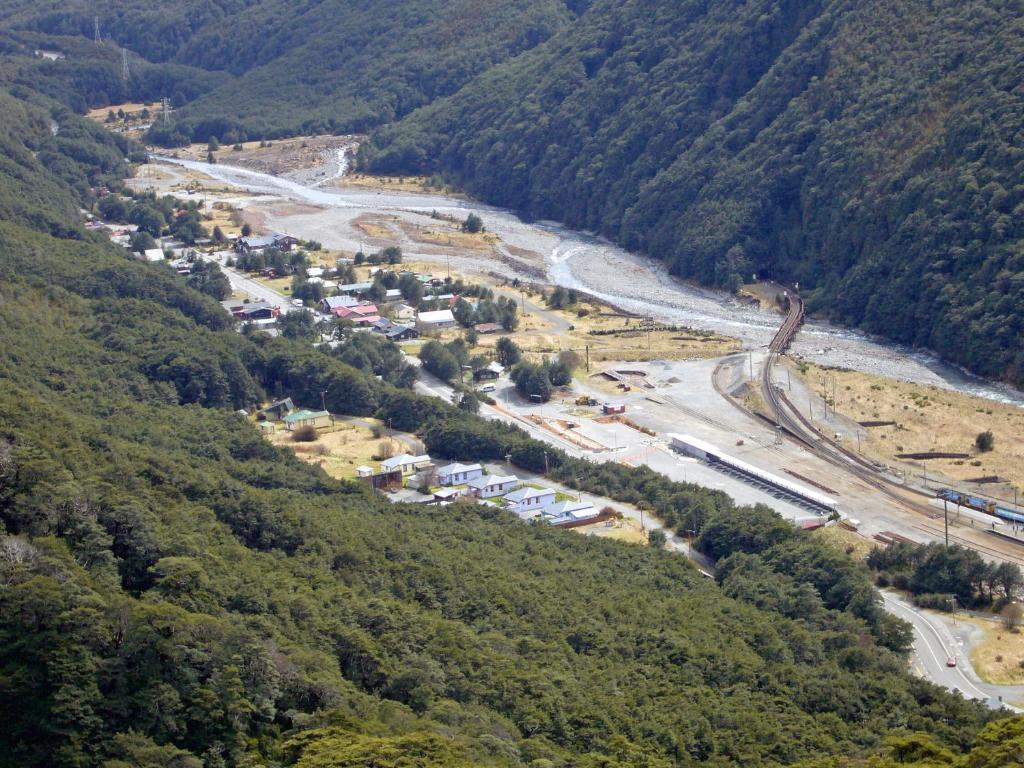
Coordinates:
[933,645]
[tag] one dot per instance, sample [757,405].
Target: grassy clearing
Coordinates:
[930,419]
[392,183]
[999,658]
[279,284]
[341,449]
[449,234]
[626,529]
[849,542]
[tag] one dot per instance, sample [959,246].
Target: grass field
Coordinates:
[999,658]
[930,419]
[341,449]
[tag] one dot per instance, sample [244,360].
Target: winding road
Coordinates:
[934,644]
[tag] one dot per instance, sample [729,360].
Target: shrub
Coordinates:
[985,441]
[305,434]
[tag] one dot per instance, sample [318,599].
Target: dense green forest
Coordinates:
[266,68]
[174,591]
[870,150]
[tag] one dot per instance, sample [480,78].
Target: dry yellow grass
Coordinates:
[279,284]
[391,184]
[930,419]
[100,114]
[441,232]
[339,450]
[849,542]
[999,658]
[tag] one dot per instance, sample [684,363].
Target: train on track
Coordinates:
[980,504]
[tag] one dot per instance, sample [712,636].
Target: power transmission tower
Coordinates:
[165,110]
[124,64]
[96,38]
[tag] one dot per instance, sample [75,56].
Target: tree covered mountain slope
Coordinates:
[871,150]
[175,592]
[265,68]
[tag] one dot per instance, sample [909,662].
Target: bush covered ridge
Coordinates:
[268,68]
[174,591]
[869,151]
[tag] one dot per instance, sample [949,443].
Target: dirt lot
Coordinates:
[341,449]
[621,530]
[930,419]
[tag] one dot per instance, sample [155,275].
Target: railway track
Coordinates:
[799,428]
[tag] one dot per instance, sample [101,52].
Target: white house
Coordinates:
[436,320]
[408,464]
[490,486]
[456,474]
[403,312]
[527,499]
[315,272]
[563,512]
[153,254]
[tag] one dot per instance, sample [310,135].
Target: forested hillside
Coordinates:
[174,591]
[266,68]
[871,150]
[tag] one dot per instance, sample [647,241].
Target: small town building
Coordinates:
[491,486]
[233,307]
[259,243]
[407,464]
[527,498]
[490,372]
[446,495]
[277,410]
[153,254]
[306,418]
[612,408]
[403,312]
[331,303]
[360,314]
[392,295]
[258,311]
[456,474]
[355,289]
[568,512]
[364,471]
[436,320]
[315,272]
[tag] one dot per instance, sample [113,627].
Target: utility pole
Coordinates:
[751,357]
[588,371]
[945,518]
[547,469]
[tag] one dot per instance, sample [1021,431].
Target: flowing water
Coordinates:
[592,264]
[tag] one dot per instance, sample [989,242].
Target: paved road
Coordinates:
[934,644]
[253,289]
